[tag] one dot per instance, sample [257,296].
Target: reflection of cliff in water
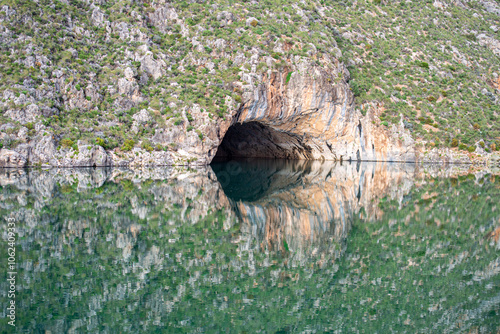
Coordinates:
[282,205]
[307,206]
[166,244]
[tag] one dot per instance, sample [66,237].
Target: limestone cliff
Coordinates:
[308,113]
[305,112]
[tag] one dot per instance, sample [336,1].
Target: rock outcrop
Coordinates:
[10,158]
[308,113]
[305,112]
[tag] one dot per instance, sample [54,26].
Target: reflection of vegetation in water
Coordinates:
[427,263]
[123,257]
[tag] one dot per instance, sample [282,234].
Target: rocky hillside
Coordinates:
[150,83]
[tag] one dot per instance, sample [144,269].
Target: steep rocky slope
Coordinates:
[148,83]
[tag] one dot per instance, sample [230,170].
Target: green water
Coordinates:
[253,247]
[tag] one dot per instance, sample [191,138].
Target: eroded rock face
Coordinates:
[10,158]
[309,114]
[304,111]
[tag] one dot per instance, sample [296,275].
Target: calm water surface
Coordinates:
[253,247]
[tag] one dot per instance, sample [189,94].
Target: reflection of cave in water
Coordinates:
[306,207]
[251,180]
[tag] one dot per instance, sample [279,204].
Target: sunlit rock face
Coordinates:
[309,113]
[307,206]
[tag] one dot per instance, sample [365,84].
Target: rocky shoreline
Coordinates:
[96,156]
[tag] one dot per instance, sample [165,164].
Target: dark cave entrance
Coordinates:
[256,140]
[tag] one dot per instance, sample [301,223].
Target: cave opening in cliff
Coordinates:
[257,140]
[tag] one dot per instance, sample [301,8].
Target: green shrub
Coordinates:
[385,123]
[454,142]
[425,120]
[30,126]
[471,148]
[423,64]
[100,142]
[128,145]
[66,142]
[146,144]
[167,110]
[358,87]
[462,147]
[471,37]
[276,55]
[155,104]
